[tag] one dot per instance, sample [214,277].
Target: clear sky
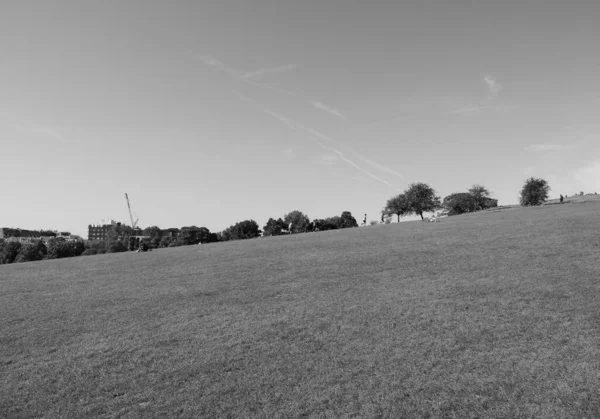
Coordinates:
[211,112]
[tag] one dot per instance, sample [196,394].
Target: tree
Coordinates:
[188,236]
[28,253]
[347,220]
[154,233]
[458,203]
[421,198]
[331,222]
[58,248]
[165,241]
[534,192]
[300,221]
[247,229]
[117,238]
[396,205]
[9,251]
[480,196]
[274,227]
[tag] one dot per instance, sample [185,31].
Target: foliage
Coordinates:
[155,234]
[117,238]
[59,248]
[479,195]
[396,205]
[347,220]
[534,192]
[247,229]
[420,198]
[274,227]
[166,241]
[300,221]
[373,222]
[29,252]
[462,202]
[9,251]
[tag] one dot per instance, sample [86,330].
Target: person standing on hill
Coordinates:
[561,199]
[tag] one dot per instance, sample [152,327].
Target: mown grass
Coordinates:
[491,315]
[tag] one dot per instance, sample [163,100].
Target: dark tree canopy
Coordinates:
[421,198]
[480,196]
[9,250]
[300,221]
[396,205]
[347,220]
[154,233]
[534,192]
[247,229]
[274,227]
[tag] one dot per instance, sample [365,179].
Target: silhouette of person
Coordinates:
[561,199]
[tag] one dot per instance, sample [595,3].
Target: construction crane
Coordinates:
[133,223]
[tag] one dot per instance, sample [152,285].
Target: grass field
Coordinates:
[488,315]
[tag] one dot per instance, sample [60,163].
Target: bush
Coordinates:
[28,253]
[534,192]
[89,252]
[9,252]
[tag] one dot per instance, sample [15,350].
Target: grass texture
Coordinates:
[487,315]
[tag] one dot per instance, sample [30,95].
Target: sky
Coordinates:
[209,113]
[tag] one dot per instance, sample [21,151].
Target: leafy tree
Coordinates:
[154,233]
[247,229]
[117,238]
[480,196]
[28,253]
[300,221]
[534,192]
[165,241]
[421,198]
[335,221]
[58,248]
[396,205]
[347,220]
[188,236]
[458,203]
[9,251]
[274,227]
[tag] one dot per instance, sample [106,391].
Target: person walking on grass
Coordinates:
[561,199]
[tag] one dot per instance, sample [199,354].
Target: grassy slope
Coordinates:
[485,315]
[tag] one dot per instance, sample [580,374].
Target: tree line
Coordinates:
[417,199]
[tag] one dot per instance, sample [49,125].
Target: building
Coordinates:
[28,235]
[100,230]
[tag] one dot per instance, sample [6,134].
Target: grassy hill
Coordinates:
[487,315]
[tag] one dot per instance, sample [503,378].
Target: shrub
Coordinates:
[28,253]
[534,192]
[9,251]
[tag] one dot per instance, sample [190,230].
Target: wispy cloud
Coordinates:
[326,159]
[251,76]
[327,109]
[269,70]
[493,86]
[245,77]
[319,137]
[548,147]
[31,128]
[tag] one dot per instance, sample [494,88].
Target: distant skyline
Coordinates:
[209,113]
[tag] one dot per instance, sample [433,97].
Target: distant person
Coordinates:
[561,199]
[290,228]
[364,223]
